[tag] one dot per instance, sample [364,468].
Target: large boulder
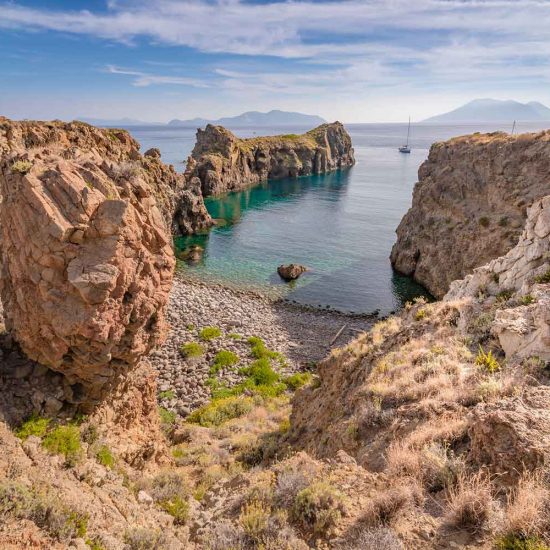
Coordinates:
[470,205]
[222,162]
[86,254]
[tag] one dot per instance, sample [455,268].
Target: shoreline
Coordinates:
[302,334]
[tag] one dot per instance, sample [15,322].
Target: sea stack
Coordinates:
[223,162]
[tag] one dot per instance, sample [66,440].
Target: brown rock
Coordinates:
[87,260]
[514,434]
[291,271]
[470,205]
[222,162]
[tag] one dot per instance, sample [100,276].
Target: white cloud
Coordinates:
[142,79]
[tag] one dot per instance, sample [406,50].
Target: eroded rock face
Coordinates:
[513,435]
[470,205]
[87,260]
[222,162]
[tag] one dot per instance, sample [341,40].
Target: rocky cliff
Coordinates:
[470,205]
[222,162]
[86,254]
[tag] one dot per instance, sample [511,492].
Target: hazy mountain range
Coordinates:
[494,110]
[255,118]
[251,118]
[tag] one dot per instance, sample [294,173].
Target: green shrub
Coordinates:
[421,314]
[504,295]
[209,333]
[105,457]
[192,349]
[298,380]
[21,167]
[223,359]
[484,221]
[168,394]
[64,440]
[319,507]
[166,417]
[515,542]
[35,425]
[259,350]
[177,507]
[260,373]
[254,519]
[219,411]
[527,300]
[487,361]
[45,510]
[544,278]
[234,336]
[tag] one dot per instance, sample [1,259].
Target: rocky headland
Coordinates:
[470,205]
[429,429]
[223,162]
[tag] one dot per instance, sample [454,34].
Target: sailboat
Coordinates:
[405,148]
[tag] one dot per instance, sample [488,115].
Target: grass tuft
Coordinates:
[487,361]
[191,349]
[209,333]
[35,425]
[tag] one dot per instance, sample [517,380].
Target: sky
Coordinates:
[348,60]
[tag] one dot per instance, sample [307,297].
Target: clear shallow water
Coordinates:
[340,225]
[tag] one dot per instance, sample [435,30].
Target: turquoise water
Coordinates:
[340,225]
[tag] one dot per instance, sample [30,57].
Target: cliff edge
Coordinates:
[223,162]
[470,205]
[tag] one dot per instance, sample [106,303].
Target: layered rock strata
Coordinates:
[87,259]
[222,162]
[470,205]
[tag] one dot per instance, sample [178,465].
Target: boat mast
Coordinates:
[408,131]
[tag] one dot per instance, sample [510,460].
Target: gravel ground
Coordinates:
[303,335]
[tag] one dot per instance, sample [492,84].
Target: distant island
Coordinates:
[494,110]
[255,118]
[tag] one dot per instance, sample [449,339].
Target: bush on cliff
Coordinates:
[219,411]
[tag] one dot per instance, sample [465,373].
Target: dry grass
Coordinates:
[470,503]
[387,505]
[527,511]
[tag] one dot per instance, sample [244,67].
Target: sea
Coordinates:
[340,225]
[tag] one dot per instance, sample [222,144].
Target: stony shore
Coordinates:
[302,335]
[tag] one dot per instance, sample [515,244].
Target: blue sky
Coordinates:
[352,60]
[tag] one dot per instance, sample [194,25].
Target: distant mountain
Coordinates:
[494,110]
[255,118]
[118,123]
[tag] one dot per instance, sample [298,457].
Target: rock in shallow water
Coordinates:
[291,272]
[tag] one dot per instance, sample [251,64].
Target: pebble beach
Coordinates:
[302,335]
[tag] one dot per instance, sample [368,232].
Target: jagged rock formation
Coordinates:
[87,260]
[470,205]
[222,162]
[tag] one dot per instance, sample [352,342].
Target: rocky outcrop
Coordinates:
[87,259]
[291,272]
[117,154]
[222,162]
[470,205]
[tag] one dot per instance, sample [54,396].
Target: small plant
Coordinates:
[209,333]
[21,167]
[487,361]
[298,380]
[191,349]
[254,519]
[504,295]
[105,457]
[259,350]
[319,507]
[223,359]
[143,539]
[544,278]
[190,327]
[422,313]
[221,410]
[517,542]
[260,373]
[167,394]
[484,221]
[528,299]
[35,425]
[64,440]
[167,418]
[178,508]
[234,336]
